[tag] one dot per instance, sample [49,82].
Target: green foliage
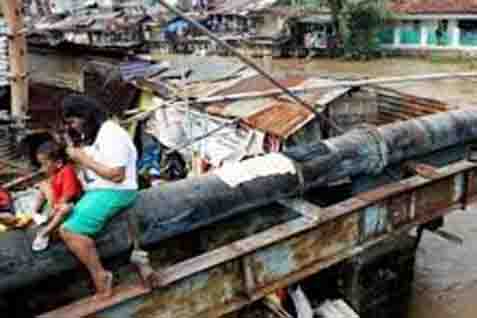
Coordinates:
[357,22]
[360,24]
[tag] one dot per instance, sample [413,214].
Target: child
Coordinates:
[60,191]
[7,215]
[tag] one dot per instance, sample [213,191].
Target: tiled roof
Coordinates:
[434,6]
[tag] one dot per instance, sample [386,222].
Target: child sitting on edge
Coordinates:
[60,191]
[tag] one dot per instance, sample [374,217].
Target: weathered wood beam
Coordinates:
[14,16]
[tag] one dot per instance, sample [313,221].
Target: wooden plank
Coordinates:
[89,305]
[13,12]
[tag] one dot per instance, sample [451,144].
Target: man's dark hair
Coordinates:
[53,151]
[88,109]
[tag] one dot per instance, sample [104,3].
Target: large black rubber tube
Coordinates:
[180,207]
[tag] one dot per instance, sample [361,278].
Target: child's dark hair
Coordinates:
[53,151]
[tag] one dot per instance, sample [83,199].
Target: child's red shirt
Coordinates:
[65,185]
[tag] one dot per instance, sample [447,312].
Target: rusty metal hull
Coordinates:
[229,277]
[193,203]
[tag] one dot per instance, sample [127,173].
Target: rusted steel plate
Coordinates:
[326,240]
[400,209]
[374,220]
[198,294]
[472,183]
[383,192]
[215,282]
[437,196]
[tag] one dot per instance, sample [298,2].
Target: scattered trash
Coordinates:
[301,302]
[335,309]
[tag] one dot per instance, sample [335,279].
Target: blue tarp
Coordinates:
[178,25]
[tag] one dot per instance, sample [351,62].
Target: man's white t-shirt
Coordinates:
[114,148]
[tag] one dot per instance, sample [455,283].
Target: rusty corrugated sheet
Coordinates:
[395,106]
[281,119]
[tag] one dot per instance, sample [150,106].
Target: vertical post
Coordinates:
[397,35]
[425,27]
[454,31]
[14,16]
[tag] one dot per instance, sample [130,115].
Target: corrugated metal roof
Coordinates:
[434,6]
[91,21]
[239,6]
[280,118]
[137,69]
[240,108]
[297,11]
[201,68]
[60,6]
[113,30]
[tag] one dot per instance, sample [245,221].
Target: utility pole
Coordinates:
[14,16]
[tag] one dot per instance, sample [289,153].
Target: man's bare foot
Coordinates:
[153,280]
[104,286]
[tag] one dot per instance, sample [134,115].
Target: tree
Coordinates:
[357,23]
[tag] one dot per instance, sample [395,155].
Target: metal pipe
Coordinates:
[250,63]
[180,207]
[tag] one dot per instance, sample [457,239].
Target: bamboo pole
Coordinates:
[13,12]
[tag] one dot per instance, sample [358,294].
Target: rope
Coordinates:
[378,160]
[300,177]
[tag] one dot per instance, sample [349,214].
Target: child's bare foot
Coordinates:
[8,219]
[104,286]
